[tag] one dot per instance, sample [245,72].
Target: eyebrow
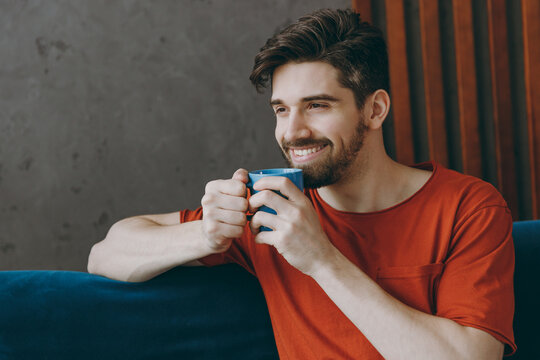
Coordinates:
[308,98]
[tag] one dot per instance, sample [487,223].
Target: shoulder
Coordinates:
[470,193]
[455,199]
[479,210]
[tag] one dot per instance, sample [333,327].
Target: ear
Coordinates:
[376,109]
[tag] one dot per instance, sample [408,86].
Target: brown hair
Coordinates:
[337,37]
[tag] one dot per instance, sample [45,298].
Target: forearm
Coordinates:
[396,330]
[138,248]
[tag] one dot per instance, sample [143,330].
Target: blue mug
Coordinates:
[295,175]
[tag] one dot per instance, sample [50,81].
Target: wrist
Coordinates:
[329,266]
[212,245]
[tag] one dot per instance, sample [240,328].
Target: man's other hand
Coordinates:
[224,210]
[297,233]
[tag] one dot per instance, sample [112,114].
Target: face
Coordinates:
[318,125]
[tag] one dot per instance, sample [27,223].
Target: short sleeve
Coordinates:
[238,252]
[476,286]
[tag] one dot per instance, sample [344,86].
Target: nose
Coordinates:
[297,126]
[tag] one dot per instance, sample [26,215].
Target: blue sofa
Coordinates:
[186,313]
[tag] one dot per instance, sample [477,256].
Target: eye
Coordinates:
[279,109]
[318,106]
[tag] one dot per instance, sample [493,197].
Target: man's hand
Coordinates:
[224,210]
[298,235]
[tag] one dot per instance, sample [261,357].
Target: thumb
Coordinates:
[242,175]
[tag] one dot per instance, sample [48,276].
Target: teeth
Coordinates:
[306,151]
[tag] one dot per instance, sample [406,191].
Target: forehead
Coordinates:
[294,81]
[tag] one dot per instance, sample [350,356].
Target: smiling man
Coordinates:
[328,106]
[374,259]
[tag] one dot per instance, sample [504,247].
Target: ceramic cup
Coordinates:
[295,175]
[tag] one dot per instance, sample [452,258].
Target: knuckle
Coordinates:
[239,187]
[205,200]
[209,186]
[289,227]
[266,195]
[212,227]
[295,213]
[208,213]
[211,198]
[252,201]
[243,219]
[244,204]
[257,216]
[254,223]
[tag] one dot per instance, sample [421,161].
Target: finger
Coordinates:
[229,217]
[254,229]
[222,230]
[242,175]
[262,218]
[270,199]
[224,201]
[265,237]
[233,187]
[282,184]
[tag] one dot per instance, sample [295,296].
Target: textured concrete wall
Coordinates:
[110,109]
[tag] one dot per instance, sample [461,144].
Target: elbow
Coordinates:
[106,258]
[479,345]
[100,254]
[98,257]
[94,260]
[99,263]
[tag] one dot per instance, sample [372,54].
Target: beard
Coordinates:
[333,167]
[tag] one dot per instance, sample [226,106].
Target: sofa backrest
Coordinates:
[186,313]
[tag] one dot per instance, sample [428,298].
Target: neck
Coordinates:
[375,182]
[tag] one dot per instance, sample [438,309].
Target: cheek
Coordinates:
[340,129]
[332,131]
[279,131]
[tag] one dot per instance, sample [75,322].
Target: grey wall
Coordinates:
[110,109]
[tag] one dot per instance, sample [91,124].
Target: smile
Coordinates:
[300,155]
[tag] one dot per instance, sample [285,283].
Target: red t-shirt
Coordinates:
[447,251]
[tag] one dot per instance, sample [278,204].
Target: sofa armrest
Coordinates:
[526,288]
[185,313]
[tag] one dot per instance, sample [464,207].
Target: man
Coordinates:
[375,259]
